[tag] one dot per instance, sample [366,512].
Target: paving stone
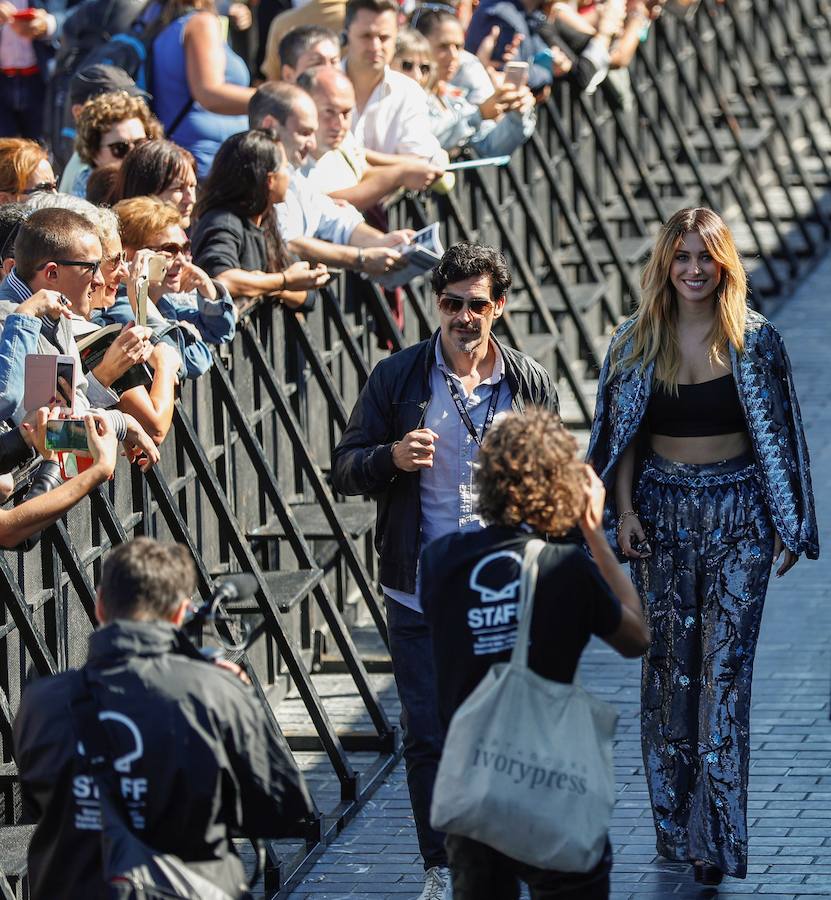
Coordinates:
[790,776]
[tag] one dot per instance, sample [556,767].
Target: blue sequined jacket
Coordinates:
[765,385]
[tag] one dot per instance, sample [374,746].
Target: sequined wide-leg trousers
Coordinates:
[703,590]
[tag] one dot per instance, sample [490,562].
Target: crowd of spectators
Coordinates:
[252,155]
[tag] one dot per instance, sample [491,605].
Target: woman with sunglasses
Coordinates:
[186,307]
[109,126]
[150,404]
[498,126]
[235,238]
[24,170]
[160,169]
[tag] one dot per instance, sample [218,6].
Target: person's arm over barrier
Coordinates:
[39,512]
[362,461]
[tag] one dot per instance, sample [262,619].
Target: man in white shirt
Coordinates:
[339,162]
[314,226]
[391,116]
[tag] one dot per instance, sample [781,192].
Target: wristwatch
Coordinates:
[359,262]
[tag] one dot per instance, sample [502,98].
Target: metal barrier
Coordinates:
[726,106]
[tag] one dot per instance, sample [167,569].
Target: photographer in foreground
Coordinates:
[529,483]
[194,755]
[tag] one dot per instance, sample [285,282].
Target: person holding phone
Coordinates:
[49,498]
[698,438]
[27,33]
[509,116]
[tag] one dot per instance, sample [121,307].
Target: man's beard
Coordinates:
[466,340]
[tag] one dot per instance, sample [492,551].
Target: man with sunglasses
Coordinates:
[411,442]
[58,251]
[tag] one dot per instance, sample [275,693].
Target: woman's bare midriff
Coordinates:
[701,450]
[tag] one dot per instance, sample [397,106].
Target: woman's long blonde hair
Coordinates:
[654,333]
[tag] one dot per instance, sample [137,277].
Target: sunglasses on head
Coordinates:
[452,306]
[120,149]
[91,265]
[48,187]
[430,7]
[172,249]
[407,65]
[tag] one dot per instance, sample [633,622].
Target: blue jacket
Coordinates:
[19,338]
[768,398]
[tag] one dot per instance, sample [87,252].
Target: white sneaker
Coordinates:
[437,884]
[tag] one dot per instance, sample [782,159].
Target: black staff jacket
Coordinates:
[199,762]
[392,403]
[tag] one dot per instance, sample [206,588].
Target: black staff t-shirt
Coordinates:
[470,592]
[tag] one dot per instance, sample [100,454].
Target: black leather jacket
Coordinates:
[392,403]
[199,761]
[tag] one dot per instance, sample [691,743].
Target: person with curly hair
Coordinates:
[412,442]
[24,170]
[530,484]
[109,126]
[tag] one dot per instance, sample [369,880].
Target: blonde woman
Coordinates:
[698,438]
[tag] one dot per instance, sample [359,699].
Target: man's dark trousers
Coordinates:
[412,663]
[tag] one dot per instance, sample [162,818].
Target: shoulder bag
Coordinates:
[527,763]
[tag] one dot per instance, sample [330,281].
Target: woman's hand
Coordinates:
[102,444]
[194,278]
[34,430]
[136,269]
[788,559]
[629,531]
[130,347]
[300,276]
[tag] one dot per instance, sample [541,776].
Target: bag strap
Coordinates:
[527,588]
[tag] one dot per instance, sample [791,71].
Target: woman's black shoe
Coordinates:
[707,874]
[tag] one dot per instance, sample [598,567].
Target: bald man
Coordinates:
[338,161]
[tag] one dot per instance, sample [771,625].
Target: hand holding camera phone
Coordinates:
[67,436]
[516,74]
[49,379]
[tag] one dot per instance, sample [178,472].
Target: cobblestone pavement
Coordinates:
[790,784]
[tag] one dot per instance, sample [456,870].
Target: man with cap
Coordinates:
[87,83]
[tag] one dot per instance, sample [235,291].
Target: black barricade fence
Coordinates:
[725,105]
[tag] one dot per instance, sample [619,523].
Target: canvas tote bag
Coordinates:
[527,763]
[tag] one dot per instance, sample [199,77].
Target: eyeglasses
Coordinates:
[452,306]
[92,266]
[120,149]
[119,259]
[407,65]
[172,249]
[48,187]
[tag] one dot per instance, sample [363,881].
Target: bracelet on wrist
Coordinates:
[624,516]
[359,262]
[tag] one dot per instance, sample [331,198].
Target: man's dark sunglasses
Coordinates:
[173,249]
[91,265]
[452,306]
[120,149]
[48,187]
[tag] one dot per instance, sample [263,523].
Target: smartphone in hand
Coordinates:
[66,435]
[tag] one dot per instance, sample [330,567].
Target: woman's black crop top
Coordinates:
[699,410]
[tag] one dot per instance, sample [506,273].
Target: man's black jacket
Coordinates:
[393,403]
[199,761]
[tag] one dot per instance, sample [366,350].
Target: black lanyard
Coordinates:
[463,413]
